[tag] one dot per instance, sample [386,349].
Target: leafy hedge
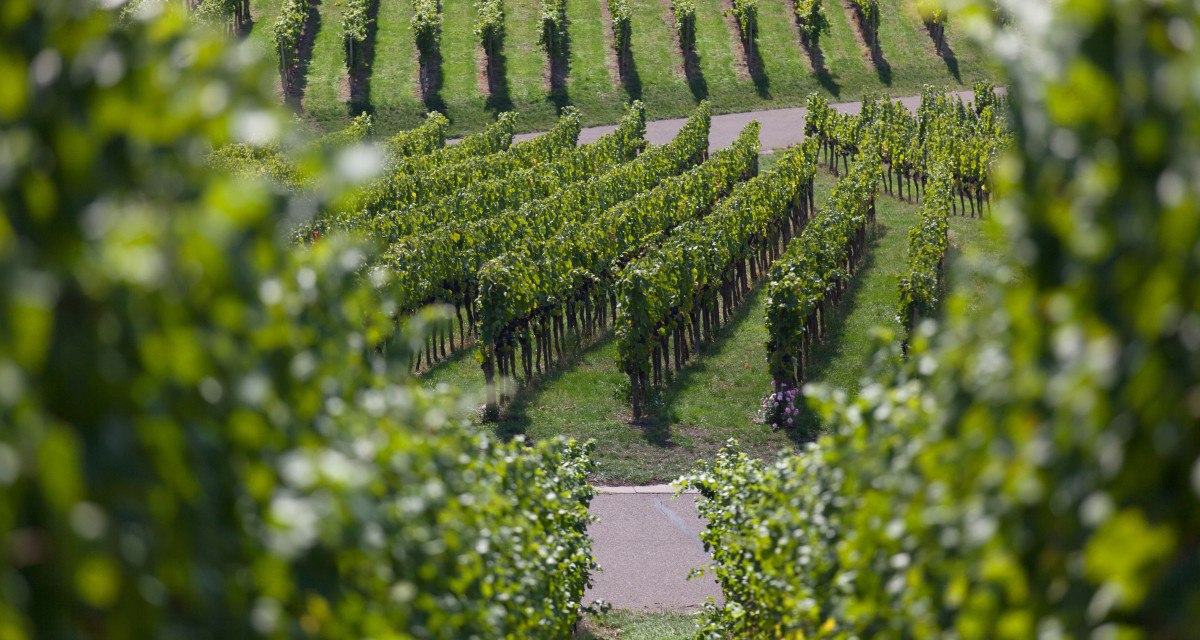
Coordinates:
[287,31]
[545,290]
[202,436]
[808,281]
[811,19]
[705,270]
[401,189]
[355,22]
[621,13]
[489,23]
[746,12]
[1031,473]
[426,24]
[443,266]
[927,245]
[554,25]
[427,138]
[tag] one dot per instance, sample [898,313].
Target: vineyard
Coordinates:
[474,59]
[257,382]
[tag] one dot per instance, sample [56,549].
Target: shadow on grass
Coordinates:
[431,80]
[430,373]
[499,100]
[559,54]
[514,419]
[938,34]
[630,78]
[820,70]
[754,63]
[363,64]
[657,426]
[691,65]
[882,67]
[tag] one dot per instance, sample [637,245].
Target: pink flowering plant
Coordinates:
[779,407]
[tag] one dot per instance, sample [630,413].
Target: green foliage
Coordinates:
[808,280]
[288,28]
[811,18]
[426,24]
[355,20]
[540,282]
[621,13]
[746,12]
[1032,473]
[489,23]
[673,287]
[554,24]
[443,266]
[425,139]
[207,431]
[426,189]
[927,244]
[352,134]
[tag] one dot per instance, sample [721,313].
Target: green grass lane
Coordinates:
[460,92]
[718,50]
[327,70]
[656,74]
[638,625]
[591,86]
[393,74]
[784,60]
[525,58]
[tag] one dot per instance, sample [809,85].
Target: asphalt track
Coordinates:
[780,127]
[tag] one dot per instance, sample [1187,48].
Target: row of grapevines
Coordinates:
[493,197]
[355,20]
[200,438]
[621,13]
[746,12]
[489,23]
[933,14]
[707,267]
[487,198]
[431,135]
[290,168]
[287,31]
[554,24]
[964,138]
[927,244]
[443,266]
[427,138]
[867,13]
[1030,471]
[685,20]
[811,19]
[231,13]
[807,283]
[494,139]
[398,190]
[426,24]
[544,290]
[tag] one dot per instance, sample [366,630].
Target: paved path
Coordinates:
[780,127]
[646,541]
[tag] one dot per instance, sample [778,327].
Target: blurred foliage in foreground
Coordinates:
[1036,474]
[207,432]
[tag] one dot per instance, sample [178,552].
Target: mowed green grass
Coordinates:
[638,625]
[718,395]
[784,75]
